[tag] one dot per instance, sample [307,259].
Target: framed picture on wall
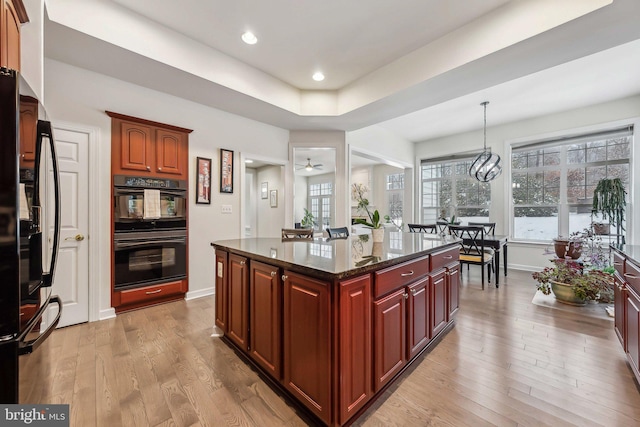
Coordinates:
[264,190]
[203,178]
[273,198]
[226,171]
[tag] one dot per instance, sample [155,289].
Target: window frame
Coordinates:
[566,138]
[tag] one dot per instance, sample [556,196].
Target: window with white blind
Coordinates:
[553,181]
[447,189]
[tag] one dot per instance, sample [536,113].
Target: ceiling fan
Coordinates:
[309,167]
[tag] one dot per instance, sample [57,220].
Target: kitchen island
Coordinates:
[332,323]
[626,290]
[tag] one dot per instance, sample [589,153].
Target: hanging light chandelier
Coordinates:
[486,166]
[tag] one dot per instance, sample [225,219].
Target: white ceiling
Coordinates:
[400,65]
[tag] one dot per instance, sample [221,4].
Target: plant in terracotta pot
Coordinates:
[569,247]
[572,284]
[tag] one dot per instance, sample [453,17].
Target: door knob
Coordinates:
[77,238]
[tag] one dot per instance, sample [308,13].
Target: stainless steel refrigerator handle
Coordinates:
[26,347]
[44,130]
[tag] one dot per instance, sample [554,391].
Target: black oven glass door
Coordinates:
[129,213]
[142,261]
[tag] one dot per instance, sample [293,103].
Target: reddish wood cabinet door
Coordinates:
[222,293]
[28,131]
[264,314]
[238,327]
[136,152]
[389,342]
[10,34]
[619,296]
[418,331]
[438,297]
[307,342]
[633,330]
[170,148]
[355,387]
[453,289]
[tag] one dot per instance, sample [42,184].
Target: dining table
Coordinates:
[499,244]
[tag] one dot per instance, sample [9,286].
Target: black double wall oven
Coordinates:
[150,231]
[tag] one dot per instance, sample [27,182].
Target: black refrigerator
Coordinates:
[29,204]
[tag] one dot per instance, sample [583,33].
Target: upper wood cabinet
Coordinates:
[148,148]
[13,14]
[28,131]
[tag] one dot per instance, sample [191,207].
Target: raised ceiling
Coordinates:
[417,67]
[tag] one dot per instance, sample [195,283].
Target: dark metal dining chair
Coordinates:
[472,249]
[297,233]
[489,227]
[423,228]
[338,233]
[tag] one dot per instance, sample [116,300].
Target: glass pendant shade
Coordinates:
[486,166]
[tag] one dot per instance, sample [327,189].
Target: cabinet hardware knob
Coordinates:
[410,273]
[273,273]
[153,292]
[284,277]
[413,292]
[148,168]
[159,169]
[630,276]
[243,262]
[447,257]
[405,295]
[23,156]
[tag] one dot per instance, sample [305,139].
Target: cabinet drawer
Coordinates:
[392,278]
[442,258]
[632,276]
[618,263]
[149,293]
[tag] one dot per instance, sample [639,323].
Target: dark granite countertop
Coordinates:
[340,258]
[632,252]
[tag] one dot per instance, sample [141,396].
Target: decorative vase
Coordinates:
[377,234]
[566,249]
[564,294]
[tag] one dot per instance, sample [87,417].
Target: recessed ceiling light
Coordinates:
[318,76]
[248,161]
[249,38]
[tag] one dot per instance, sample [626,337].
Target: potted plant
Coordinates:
[572,284]
[569,247]
[609,200]
[308,220]
[357,192]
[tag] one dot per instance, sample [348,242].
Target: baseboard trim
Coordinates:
[199,293]
[109,313]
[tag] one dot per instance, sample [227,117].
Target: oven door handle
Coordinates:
[124,245]
[139,191]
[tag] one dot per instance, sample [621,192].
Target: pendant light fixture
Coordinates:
[486,166]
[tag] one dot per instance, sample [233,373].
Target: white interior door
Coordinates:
[71,280]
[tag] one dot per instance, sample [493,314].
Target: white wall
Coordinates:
[529,256]
[381,142]
[300,202]
[78,96]
[270,221]
[32,47]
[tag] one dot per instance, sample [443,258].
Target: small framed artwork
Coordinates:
[273,198]
[203,178]
[226,171]
[264,190]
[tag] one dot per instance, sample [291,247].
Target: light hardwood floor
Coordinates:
[506,362]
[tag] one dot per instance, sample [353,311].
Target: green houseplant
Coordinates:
[572,284]
[308,220]
[609,200]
